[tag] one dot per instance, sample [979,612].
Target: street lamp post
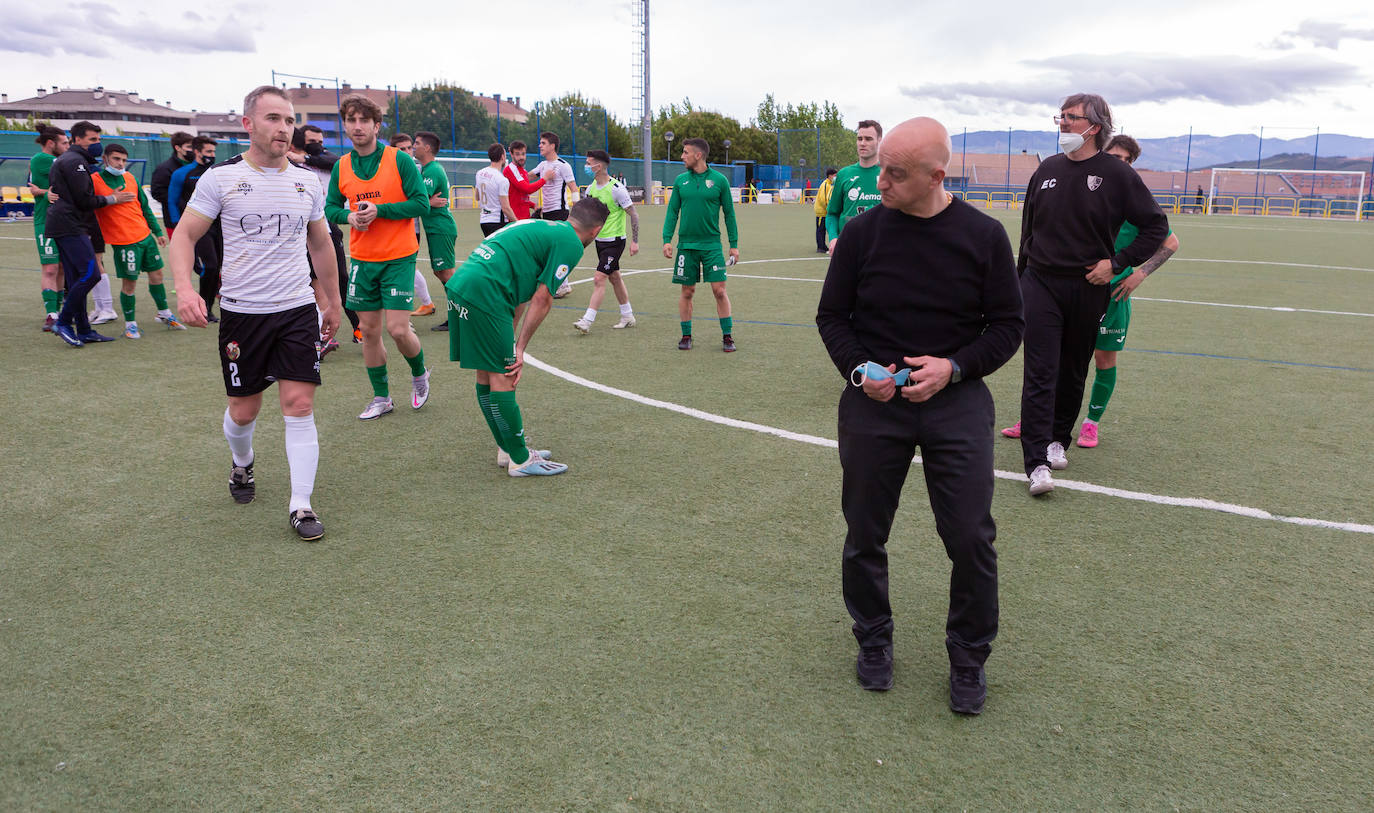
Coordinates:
[727,150]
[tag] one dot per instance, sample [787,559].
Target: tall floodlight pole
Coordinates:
[646,141]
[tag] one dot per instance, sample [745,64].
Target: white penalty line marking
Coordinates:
[1073,485]
[1279,308]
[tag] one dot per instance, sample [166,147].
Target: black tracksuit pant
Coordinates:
[877,440]
[82,274]
[820,234]
[210,256]
[1063,312]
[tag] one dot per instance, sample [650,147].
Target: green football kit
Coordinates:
[1111,332]
[855,192]
[441,232]
[697,202]
[502,273]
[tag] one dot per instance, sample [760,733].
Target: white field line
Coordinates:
[1276,308]
[1073,485]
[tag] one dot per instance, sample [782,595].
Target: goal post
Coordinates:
[1291,192]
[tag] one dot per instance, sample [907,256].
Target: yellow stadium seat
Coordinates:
[25,195]
[10,194]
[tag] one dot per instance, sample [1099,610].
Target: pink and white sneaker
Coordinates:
[1087,436]
[1013,431]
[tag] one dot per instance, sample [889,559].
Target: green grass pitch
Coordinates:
[662,627]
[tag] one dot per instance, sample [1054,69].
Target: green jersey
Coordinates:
[40,166]
[1124,238]
[855,192]
[365,167]
[506,269]
[700,197]
[439,220]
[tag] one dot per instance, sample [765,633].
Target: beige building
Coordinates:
[114,111]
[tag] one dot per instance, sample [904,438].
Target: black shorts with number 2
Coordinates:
[256,349]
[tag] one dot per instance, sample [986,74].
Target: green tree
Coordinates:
[581,123]
[428,108]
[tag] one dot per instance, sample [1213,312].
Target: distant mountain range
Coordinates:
[1207,151]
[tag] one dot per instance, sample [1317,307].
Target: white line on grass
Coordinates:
[1073,485]
[1278,308]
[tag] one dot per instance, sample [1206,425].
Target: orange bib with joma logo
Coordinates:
[122,224]
[384,240]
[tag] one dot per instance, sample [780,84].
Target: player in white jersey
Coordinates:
[560,193]
[271,211]
[493,192]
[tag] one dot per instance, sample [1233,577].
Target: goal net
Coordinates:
[1288,192]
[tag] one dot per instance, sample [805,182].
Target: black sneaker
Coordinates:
[442,327]
[875,668]
[211,318]
[92,337]
[727,343]
[308,526]
[685,343]
[241,486]
[968,689]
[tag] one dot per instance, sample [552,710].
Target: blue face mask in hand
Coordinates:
[873,371]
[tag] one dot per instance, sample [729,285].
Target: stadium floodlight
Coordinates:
[1322,192]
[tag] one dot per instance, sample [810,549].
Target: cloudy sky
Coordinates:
[1218,66]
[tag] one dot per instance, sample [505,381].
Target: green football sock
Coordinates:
[377,375]
[1103,384]
[505,414]
[50,303]
[61,298]
[686,327]
[726,325]
[126,304]
[417,364]
[484,401]
[159,292]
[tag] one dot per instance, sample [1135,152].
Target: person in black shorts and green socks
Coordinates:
[513,273]
[700,195]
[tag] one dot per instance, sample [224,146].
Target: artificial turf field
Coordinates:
[662,628]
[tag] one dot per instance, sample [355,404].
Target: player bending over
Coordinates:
[515,269]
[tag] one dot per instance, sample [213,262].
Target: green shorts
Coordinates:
[47,247]
[380,286]
[695,264]
[1111,332]
[141,256]
[442,252]
[478,340]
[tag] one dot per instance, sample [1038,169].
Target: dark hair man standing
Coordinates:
[925,281]
[162,176]
[70,224]
[1075,204]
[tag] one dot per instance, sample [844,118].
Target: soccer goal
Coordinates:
[462,175]
[1288,192]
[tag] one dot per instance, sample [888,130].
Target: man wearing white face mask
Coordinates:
[610,241]
[1075,204]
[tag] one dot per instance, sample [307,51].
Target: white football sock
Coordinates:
[240,439]
[422,288]
[302,458]
[590,315]
[626,310]
[104,301]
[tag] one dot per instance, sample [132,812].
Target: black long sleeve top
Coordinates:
[162,178]
[1074,209]
[73,212]
[900,285]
